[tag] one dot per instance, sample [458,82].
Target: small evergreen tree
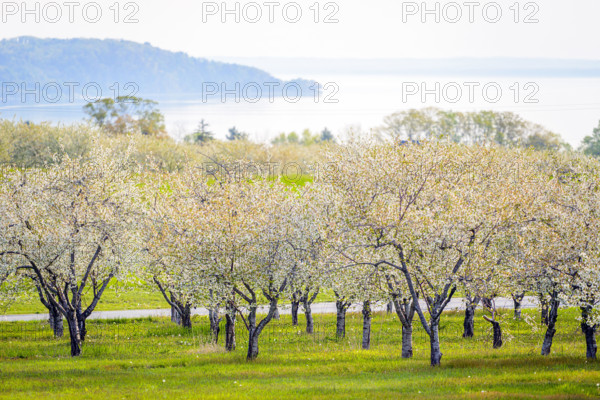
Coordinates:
[327,136]
[234,134]
[201,135]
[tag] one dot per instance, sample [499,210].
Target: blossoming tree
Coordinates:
[434,206]
[70,230]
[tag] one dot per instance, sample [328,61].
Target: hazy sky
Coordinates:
[365,29]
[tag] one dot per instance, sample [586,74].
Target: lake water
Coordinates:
[568,106]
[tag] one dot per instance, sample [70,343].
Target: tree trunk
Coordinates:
[341,320]
[590,341]
[366,338]
[252,345]
[517,303]
[497,335]
[56,321]
[469,322]
[434,341]
[230,331]
[552,318]
[276,315]
[186,317]
[406,313]
[310,323]
[295,306]
[548,338]
[176,316]
[390,307]
[255,330]
[517,300]
[252,334]
[74,335]
[55,317]
[590,333]
[82,328]
[71,310]
[213,316]
[497,332]
[545,309]
[181,314]
[81,321]
[407,350]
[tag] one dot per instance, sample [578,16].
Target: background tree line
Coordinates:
[131,114]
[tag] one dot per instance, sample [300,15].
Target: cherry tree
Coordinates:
[530,256]
[404,306]
[433,205]
[575,222]
[489,274]
[486,287]
[360,275]
[313,248]
[343,284]
[271,263]
[556,252]
[12,286]
[70,230]
[169,209]
[230,231]
[355,279]
[260,237]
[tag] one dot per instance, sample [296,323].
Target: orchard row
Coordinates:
[402,223]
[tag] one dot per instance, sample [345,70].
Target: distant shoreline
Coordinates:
[473,67]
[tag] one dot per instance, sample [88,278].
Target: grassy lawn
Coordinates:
[116,298]
[151,358]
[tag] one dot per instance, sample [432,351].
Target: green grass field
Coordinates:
[116,298]
[152,358]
